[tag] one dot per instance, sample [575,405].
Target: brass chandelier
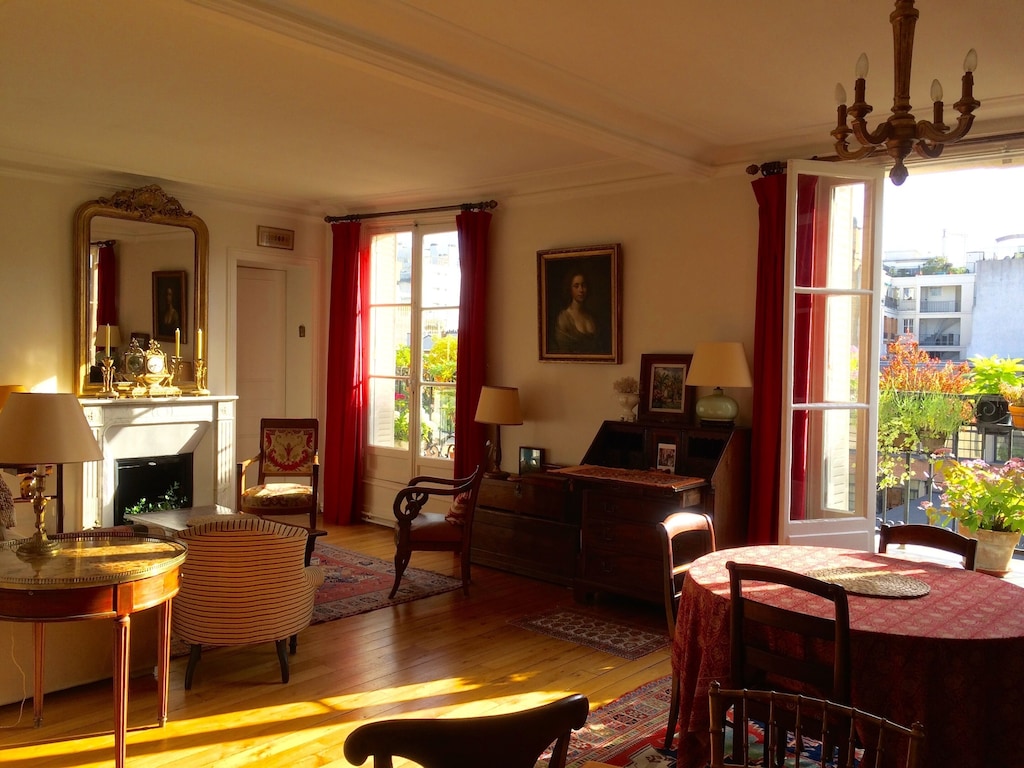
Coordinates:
[902,132]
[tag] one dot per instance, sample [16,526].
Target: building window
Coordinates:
[414,317]
[908,326]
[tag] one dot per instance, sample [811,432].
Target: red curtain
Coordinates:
[106,285]
[473,227]
[766,433]
[349,327]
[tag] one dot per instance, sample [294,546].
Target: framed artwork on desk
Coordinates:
[664,395]
[530,460]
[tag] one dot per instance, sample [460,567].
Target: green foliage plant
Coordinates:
[172,499]
[1014,393]
[981,495]
[988,374]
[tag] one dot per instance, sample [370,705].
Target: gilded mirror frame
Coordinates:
[148,204]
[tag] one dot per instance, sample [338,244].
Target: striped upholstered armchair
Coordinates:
[244,581]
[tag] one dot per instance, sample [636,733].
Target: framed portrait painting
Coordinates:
[169,302]
[664,395]
[579,303]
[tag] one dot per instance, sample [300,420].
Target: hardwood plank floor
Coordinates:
[447,655]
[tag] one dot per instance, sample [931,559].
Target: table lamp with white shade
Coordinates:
[718,364]
[498,405]
[43,428]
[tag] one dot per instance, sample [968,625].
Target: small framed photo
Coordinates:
[142,339]
[272,237]
[531,460]
[667,458]
[579,304]
[169,302]
[664,395]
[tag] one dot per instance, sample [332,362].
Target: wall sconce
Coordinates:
[498,405]
[718,364]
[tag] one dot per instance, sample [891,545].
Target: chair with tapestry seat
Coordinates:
[416,529]
[244,581]
[767,642]
[512,740]
[851,731]
[288,475]
[931,536]
[685,536]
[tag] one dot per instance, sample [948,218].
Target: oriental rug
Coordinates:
[587,627]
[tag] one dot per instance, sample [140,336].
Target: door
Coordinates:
[260,352]
[833,310]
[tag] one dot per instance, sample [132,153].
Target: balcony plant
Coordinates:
[987,502]
[987,376]
[1014,394]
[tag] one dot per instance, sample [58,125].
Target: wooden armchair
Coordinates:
[417,529]
[288,472]
[929,536]
[244,581]
[513,740]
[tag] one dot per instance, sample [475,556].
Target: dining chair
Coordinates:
[416,529]
[768,643]
[684,536]
[511,740]
[857,738]
[932,536]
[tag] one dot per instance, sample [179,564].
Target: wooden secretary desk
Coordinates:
[599,534]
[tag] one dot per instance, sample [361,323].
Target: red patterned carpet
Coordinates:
[589,628]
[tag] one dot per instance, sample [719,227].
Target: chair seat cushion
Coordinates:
[277,496]
[432,526]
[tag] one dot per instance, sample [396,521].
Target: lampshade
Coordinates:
[718,364]
[45,428]
[499,405]
[5,392]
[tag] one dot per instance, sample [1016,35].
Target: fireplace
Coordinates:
[151,482]
[200,430]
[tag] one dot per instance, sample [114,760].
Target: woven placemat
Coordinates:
[873,583]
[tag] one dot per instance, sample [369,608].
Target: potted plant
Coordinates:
[627,392]
[1014,394]
[987,503]
[987,375]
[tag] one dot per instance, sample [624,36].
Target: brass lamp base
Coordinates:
[38,546]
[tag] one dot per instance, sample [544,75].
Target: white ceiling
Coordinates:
[339,105]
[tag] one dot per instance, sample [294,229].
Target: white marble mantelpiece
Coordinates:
[136,427]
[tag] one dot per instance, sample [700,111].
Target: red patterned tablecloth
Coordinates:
[952,659]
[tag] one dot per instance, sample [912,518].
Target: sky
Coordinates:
[971,207]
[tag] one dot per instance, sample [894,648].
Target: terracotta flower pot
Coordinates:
[995,550]
[1017,415]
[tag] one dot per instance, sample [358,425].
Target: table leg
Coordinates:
[122,627]
[39,635]
[163,661]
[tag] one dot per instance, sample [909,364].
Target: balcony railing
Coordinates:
[945,307]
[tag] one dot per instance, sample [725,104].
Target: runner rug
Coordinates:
[355,583]
[577,625]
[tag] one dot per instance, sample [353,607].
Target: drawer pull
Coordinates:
[518,490]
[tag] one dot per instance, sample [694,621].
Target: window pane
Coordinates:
[442,278]
[391,268]
[437,420]
[389,413]
[440,344]
[824,479]
[389,341]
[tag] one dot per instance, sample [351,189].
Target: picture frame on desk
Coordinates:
[530,460]
[666,458]
[664,395]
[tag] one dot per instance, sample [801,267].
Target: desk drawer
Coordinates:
[540,496]
[622,572]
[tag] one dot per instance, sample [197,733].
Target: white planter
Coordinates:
[627,403]
[995,551]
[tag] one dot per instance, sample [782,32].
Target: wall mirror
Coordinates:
[153,284]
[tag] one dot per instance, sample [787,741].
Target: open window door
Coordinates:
[833,310]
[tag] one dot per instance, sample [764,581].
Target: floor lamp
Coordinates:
[39,428]
[498,405]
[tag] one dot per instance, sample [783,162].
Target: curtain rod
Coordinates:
[103,242]
[484,205]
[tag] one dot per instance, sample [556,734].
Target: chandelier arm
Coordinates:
[844,152]
[963,125]
[875,138]
[927,149]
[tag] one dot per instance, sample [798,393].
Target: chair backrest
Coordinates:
[461,491]
[513,740]
[685,536]
[768,642]
[929,536]
[288,447]
[244,581]
[857,738]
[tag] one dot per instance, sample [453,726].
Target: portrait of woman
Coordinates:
[169,306]
[579,304]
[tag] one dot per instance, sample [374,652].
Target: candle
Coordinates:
[108,341]
[199,345]
[177,342]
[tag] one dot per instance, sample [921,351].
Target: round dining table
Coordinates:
[951,658]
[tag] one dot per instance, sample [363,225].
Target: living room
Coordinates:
[103,99]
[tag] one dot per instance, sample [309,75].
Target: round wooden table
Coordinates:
[93,575]
[952,659]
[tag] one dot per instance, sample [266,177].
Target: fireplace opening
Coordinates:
[152,482]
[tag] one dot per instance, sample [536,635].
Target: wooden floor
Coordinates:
[443,655]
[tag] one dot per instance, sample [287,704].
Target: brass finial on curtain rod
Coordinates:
[102,243]
[767,169]
[483,205]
